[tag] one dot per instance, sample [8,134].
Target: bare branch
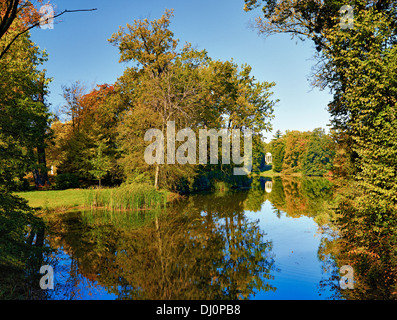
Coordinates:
[37,24]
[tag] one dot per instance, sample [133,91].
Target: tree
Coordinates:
[277,135]
[365,100]
[318,157]
[295,147]
[184,86]
[369,99]
[96,116]
[152,46]
[24,122]
[72,109]
[101,163]
[13,12]
[24,117]
[311,153]
[40,173]
[277,148]
[359,65]
[307,19]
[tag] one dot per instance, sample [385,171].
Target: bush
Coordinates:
[66,181]
[20,185]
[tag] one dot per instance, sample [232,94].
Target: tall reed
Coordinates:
[127,197]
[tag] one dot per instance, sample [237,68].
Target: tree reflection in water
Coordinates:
[205,247]
[201,248]
[350,237]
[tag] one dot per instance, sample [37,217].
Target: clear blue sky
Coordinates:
[78,50]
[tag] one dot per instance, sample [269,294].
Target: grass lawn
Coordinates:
[133,196]
[269,172]
[272,173]
[55,199]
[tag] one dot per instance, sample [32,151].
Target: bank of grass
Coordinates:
[127,197]
[271,173]
[55,199]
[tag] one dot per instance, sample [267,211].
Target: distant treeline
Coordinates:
[310,153]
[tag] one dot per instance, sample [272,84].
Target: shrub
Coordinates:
[66,181]
[20,185]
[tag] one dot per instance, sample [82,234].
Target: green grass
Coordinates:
[55,199]
[128,197]
[269,172]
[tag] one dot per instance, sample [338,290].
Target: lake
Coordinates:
[273,241]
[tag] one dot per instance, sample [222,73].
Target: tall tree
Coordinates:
[73,108]
[277,148]
[24,117]
[96,116]
[152,46]
[24,121]
[295,147]
[185,86]
[101,163]
[308,19]
[358,64]
[318,157]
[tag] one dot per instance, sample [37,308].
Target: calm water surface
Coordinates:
[273,241]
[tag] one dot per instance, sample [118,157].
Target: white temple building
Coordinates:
[268,158]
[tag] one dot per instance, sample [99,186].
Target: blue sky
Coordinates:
[78,50]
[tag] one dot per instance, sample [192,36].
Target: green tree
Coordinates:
[307,19]
[24,121]
[73,107]
[318,158]
[101,163]
[278,153]
[24,117]
[277,135]
[359,65]
[95,119]
[167,88]
[185,86]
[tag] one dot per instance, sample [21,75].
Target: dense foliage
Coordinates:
[24,123]
[309,153]
[103,135]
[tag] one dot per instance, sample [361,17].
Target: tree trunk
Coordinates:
[41,174]
[156,177]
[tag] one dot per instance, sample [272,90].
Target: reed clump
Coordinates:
[128,197]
